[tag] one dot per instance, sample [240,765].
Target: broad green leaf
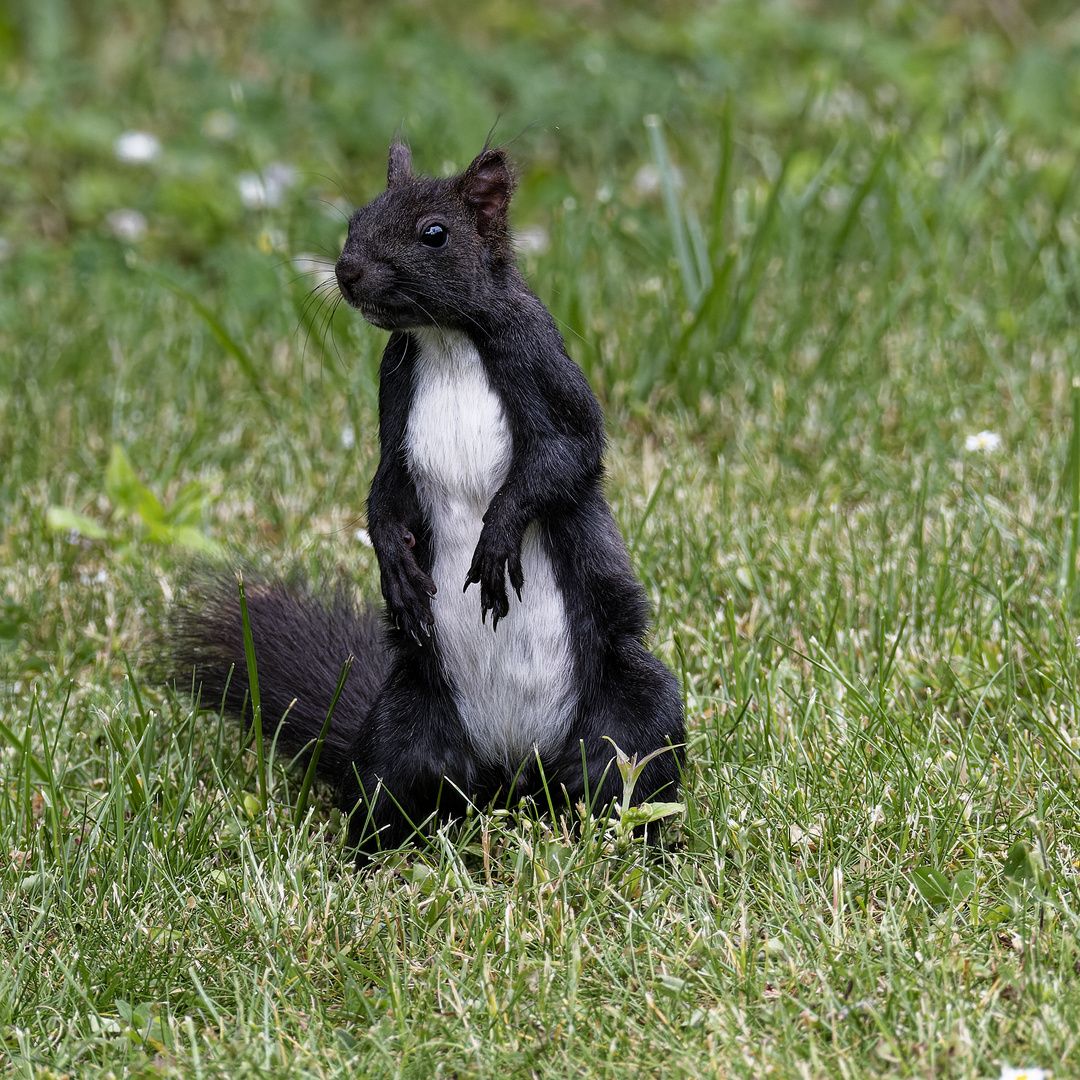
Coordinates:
[963,883]
[669,984]
[192,538]
[187,507]
[1019,863]
[645,813]
[128,492]
[61,519]
[934,887]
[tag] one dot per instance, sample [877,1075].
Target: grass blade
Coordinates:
[746,285]
[1072,468]
[691,284]
[309,774]
[256,701]
[722,184]
[648,510]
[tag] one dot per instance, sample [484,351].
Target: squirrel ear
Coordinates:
[487,185]
[400,166]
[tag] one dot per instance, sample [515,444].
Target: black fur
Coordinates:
[301,644]
[398,751]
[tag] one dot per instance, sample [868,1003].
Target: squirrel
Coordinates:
[490,472]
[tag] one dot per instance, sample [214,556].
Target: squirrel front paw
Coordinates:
[407,590]
[497,554]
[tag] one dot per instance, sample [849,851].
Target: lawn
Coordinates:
[821,263]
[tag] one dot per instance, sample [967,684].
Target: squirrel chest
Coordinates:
[512,685]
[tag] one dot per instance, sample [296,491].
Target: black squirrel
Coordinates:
[491,469]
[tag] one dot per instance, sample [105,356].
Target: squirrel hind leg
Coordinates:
[638,706]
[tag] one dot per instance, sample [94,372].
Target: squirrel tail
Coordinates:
[301,645]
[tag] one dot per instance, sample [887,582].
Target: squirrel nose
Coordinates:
[348,270]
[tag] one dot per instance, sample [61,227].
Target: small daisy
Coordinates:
[268,189]
[278,178]
[1009,1073]
[647,180]
[137,148]
[986,442]
[219,125]
[252,190]
[127,225]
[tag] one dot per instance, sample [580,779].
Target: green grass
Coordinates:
[855,243]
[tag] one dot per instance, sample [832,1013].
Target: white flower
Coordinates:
[363,538]
[835,197]
[1009,1073]
[268,189]
[219,125]
[532,241]
[126,225]
[5,248]
[985,442]
[278,178]
[647,180]
[348,437]
[252,190]
[319,267]
[137,147]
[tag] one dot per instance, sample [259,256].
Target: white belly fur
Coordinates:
[512,685]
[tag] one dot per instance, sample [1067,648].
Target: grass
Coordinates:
[802,255]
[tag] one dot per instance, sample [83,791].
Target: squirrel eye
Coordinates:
[434,236]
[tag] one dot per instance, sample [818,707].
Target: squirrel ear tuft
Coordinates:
[400,166]
[486,186]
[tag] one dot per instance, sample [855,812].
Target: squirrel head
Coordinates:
[430,252]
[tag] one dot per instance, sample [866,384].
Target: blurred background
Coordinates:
[815,151]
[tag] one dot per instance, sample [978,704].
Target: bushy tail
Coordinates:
[301,644]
